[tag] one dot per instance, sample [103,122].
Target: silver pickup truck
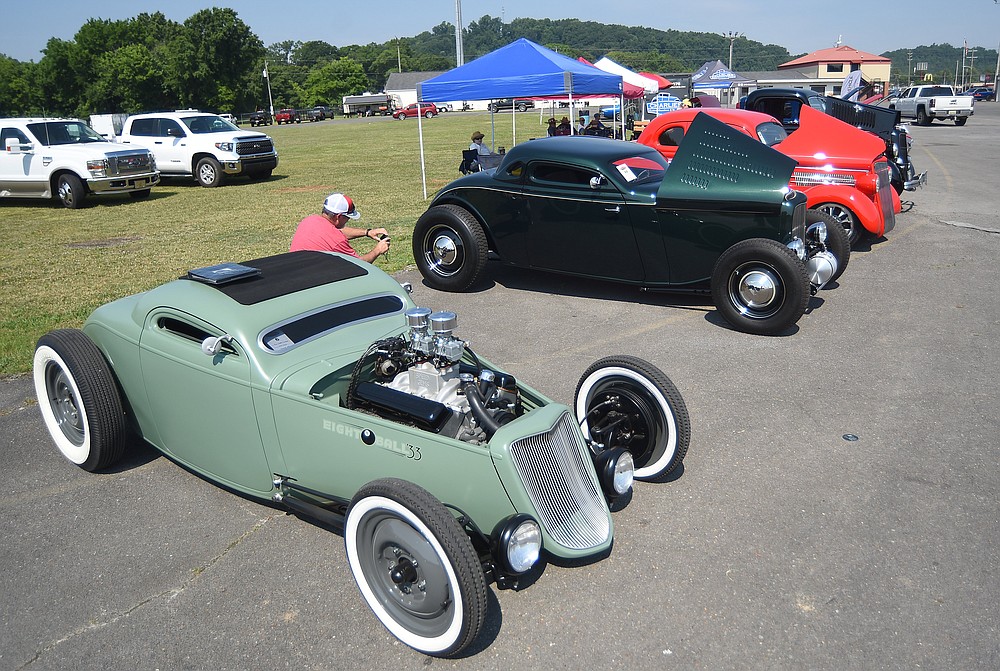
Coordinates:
[927,103]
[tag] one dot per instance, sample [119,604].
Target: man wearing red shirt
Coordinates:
[328,232]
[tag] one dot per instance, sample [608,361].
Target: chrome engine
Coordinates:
[460,400]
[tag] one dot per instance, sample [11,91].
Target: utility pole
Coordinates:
[732,36]
[459,47]
[909,68]
[399,59]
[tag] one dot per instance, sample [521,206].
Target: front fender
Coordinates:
[846,196]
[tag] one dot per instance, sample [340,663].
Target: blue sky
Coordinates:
[801,26]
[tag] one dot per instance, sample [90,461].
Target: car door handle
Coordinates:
[614,209]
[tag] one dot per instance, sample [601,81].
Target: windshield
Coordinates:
[937,91]
[771,133]
[207,124]
[51,133]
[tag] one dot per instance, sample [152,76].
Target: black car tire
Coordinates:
[623,401]
[141,194]
[760,286]
[208,172]
[922,118]
[428,114]
[837,241]
[450,247]
[79,399]
[522,107]
[70,191]
[415,566]
[960,120]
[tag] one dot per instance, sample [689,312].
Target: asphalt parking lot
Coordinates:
[781,544]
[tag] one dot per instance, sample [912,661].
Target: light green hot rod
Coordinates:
[312,381]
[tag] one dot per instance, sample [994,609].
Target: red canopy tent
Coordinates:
[663,82]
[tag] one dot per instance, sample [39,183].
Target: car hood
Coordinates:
[718,163]
[822,138]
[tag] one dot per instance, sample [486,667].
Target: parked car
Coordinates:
[982,93]
[309,115]
[260,118]
[312,380]
[509,103]
[784,105]
[842,170]
[68,160]
[323,112]
[287,115]
[924,104]
[611,210]
[427,110]
[230,118]
[204,146]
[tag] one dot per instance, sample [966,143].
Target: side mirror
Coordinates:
[595,182]
[175,132]
[213,345]
[13,146]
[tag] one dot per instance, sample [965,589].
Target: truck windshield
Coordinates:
[51,133]
[208,124]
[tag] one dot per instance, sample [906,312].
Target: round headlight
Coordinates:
[798,247]
[624,473]
[523,546]
[615,470]
[817,231]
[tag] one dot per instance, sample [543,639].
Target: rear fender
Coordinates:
[863,208]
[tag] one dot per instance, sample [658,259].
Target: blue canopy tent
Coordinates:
[522,69]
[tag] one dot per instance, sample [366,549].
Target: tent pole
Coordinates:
[420,133]
[572,114]
[513,124]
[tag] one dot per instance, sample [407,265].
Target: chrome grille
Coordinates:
[558,475]
[129,163]
[261,146]
[885,194]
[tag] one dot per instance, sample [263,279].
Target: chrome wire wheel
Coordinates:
[845,218]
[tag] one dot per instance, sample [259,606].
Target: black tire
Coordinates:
[142,194]
[79,399]
[397,536]
[760,286]
[70,191]
[960,120]
[837,241]
[922,118]
[630,403]
[400,117]
[845,217]
[449,247]
[208,172]
[428,114]
[522,107]
[492,108]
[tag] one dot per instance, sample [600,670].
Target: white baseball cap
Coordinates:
[338,203]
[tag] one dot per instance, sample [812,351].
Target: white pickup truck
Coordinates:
[930,102]
[201,144]
[68,160]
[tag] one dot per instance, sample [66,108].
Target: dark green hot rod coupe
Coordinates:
[311,380]
[720,219]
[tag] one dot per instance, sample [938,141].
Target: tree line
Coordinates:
[214,61]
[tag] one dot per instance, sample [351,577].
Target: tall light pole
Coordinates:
[732,36]
[459,47]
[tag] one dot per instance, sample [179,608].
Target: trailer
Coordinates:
[370,104]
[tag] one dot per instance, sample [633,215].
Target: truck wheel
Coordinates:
[415,566]
[449,247]
[70,191]
[922,118]
[623,401]
[79,399]
[760,286]
[836,239]
[960,120]
[522,107]
[208,172]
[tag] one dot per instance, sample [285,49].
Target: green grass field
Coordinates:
[60,264]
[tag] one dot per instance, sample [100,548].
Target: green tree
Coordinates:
[330,82]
